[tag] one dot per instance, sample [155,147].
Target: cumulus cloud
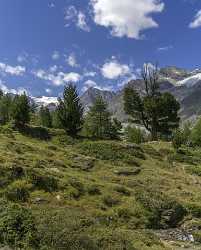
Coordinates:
[53,68]
[90,74]
[92,84]
[12,70]
[17,91]
[72,15]
[59,78]
[81,22]
[113,69]
[197,21]
[72,61]
[126,18]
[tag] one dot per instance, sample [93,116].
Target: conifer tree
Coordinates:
[98,122]
[21,110]
[6,103]
[157,112]
[45,117]
[70,111]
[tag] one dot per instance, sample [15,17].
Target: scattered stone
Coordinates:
[56,170]
[176,235]
[58,197]
[39,200]
[83,163]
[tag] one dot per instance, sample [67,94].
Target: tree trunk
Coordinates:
[154,133]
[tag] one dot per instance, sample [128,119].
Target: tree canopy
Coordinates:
[156,111]
[70,110]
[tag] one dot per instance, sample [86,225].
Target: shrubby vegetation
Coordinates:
[134,134]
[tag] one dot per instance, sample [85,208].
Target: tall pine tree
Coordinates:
[6,103]
[70,111]
[21,110]
[98,122]
[45,117]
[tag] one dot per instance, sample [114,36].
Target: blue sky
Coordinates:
[101,43]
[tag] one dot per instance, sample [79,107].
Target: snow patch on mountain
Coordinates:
[45,100]
[190,81]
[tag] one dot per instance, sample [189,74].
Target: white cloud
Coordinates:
[126,80]
[58,79]
[55,55]
[7,69]
[53,68]
[71,77]
[197,21]
[90,74]
[72,61]
[69,14]
[6,90]
[81,22]
[72,15]
[166,48]
[48,91]
[22,57]
[92,84]
[126,17]
[113,69]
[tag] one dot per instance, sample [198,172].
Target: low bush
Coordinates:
[18,191]
[35,132]
[110,201]
[197,236]
[122,190]
[134,135]
[124,213]
[113,151]
[17,172]
[94,190]
[163,211]
[194,170]
[17,227]
[178,139]
[194,209]
[46,183]
[63,230]
[77,185]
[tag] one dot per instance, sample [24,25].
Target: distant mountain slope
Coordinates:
[91,94]
[183,84]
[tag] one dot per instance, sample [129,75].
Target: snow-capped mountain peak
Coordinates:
[190,81]
[45,100]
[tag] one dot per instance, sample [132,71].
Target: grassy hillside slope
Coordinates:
[100,194]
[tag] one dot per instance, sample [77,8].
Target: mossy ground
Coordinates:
[80,188]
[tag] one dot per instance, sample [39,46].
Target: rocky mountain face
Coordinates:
[91,94]
[183,84]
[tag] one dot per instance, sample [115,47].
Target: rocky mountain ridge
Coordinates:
[185,85]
